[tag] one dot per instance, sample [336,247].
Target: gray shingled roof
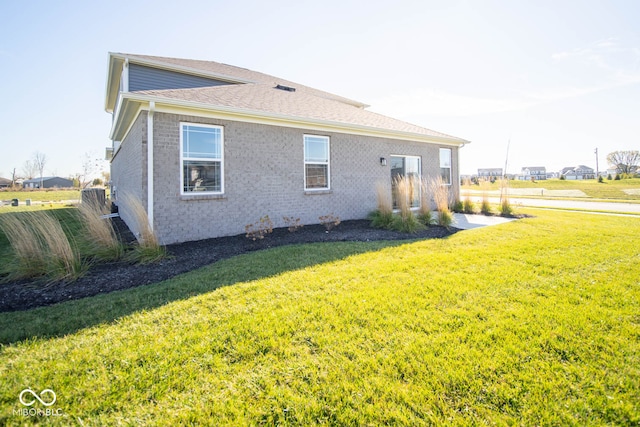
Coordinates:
[299,104]
[256,93]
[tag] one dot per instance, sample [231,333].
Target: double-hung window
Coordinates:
[202,157]
[445,165]
[316,162]
[408,168]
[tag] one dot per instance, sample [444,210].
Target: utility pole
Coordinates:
[597,169]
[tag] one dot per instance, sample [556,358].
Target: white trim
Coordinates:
[305,162]
[406,156]
[124,79]
[183,158]
[152,107]
[450,164]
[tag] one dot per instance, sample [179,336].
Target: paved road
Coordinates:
[569,204]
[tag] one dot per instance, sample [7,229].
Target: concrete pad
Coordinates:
[468,221]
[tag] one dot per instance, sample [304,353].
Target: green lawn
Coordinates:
[41,195]
[591,187]
[533,322]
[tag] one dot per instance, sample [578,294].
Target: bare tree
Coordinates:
[40,160]
[625,162]
[29,169]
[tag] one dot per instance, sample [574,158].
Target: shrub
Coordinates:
[426,218]
[329,221]
[468,206]
[381,219]
[407,224]
[505,207]
[148,248]
[445,218]
[100,238]
[292,224]
[383,198]
[600,179]
[28,252]
[485,207]
[424,213]
[458,207]
[259,229]
[403,191]
[40,247]
[440,193]
[609,178]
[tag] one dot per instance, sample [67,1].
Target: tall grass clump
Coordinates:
[29,257]
[100,237]
[40,247]
[382,217]
[467,205]
[148,248]
[424,213]
[405,221]
[505,204]
[440,193]
[485,206]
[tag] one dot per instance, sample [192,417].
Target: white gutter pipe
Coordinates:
[152,107]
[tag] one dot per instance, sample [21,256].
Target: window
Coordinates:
[407,167]
[201,153]
[445,165]
[316,162]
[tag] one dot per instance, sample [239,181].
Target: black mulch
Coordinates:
[184,257]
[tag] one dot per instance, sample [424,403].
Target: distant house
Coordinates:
[4,183]
[488,173]
[578,172]
[535,173]
[47,182]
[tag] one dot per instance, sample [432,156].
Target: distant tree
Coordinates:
[40,160]
[29,169]
[625,162]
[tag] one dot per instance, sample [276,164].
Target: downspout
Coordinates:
[152,107]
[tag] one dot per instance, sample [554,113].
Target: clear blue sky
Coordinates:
[557,78]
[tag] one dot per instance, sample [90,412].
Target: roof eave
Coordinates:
[130,103]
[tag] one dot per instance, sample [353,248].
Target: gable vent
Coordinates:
[287,88]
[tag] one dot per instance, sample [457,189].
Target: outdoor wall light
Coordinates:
[383,161]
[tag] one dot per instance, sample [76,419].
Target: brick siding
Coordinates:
[263,175]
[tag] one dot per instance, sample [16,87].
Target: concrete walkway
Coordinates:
[468,221]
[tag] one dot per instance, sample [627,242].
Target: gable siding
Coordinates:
[148,78]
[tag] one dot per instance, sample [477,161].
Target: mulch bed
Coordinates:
[184,257]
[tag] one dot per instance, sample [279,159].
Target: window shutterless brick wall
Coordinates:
[264,175]
[129,168]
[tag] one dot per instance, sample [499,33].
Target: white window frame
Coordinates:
[450,167]
[419,159]
[202,159]
[327,163]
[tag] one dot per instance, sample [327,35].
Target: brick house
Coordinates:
[230,145]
